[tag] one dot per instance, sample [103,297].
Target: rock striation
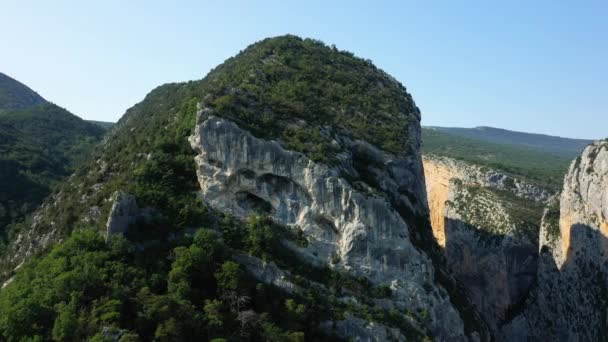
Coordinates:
[357,217]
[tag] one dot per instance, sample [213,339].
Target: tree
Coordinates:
[66,324]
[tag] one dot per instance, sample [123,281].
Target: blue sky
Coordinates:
[536,66]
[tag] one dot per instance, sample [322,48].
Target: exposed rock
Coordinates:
[357,329]
[571,300]
[489,250]
[124,212]
[368,232]
[267,272]
[8,282]
[112,334]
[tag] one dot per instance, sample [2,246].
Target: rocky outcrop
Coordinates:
[487,224]
[570,301]
[124,213]
[584,203]
[358,214]
[356,329]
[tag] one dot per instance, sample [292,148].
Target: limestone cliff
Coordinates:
[570,301]
[364,228]
[487,223]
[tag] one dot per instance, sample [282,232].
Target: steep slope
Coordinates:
[570,301]
[16,95]
[303,163]
[40,144]
[540,167]
[563,147]
[488,225]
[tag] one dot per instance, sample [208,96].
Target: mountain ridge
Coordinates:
[565,147]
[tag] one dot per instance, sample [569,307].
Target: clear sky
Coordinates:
[535,65]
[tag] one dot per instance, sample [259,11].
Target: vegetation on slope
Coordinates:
[496,213]
[541,168]
[16,95]
[87,289]
[103,124]
[298,91]
[39,146]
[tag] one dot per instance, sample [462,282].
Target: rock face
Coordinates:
[357,216]
[584,202]
[570,301]
[124,212]
[477,218]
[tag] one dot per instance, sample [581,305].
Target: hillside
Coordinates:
[543,168]
[16,95]
[547,144]
[40,145]
[280,198]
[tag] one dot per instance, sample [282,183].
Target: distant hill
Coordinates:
[40,144]
[540,159]
[16,95]
[565,147]
[103,124]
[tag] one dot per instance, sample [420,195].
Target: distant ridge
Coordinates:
[103,124]
[564,147]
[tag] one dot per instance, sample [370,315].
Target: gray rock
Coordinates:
[241,174]
[356,329]
[124,212]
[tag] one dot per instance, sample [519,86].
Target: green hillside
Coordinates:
[16,95]
[563,147]
[40,145]
[103,124]
[543,168]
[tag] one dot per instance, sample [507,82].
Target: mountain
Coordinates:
[542,167]
[40,145]
[16,95]
[548,144]
[280,198]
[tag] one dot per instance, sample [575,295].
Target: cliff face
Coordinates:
[361,227]
[584,202]
[569,303]
[487,224]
